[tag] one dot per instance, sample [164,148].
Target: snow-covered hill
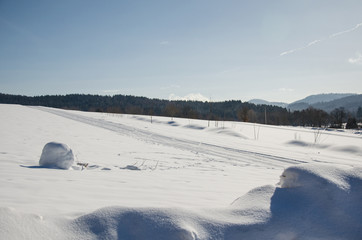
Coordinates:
[163,178]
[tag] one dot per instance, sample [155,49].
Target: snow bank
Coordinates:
[312,201]
[56,155]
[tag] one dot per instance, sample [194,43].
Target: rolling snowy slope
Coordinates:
[163,178]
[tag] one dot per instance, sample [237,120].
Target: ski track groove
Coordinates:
[231,156]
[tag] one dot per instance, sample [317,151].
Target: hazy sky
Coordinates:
[274,50]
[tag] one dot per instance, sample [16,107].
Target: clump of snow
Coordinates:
[56,155]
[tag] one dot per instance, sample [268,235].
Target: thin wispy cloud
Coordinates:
[321,40]
[314,42]
[301,48]
[356,60]
[290,51]
[346,31]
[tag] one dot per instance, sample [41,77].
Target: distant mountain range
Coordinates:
[327,102]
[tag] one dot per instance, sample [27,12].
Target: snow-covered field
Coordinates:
[163,178]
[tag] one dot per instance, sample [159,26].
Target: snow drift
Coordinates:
[312,201]
[56,155]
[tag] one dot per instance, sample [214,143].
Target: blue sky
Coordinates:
[208,49]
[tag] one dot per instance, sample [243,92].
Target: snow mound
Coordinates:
[312,201]
[56,155]
[314,176]
[123,223]
[319,201]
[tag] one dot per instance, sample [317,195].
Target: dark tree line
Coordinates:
[318,118]
[309,117]
[219,111]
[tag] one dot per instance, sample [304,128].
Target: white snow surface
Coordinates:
[56,155]
[176,179]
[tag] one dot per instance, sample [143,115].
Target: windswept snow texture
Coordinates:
[166,180]
[56,155]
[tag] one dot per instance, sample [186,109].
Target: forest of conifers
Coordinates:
[222,111]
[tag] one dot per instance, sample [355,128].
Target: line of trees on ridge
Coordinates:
[219,111]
